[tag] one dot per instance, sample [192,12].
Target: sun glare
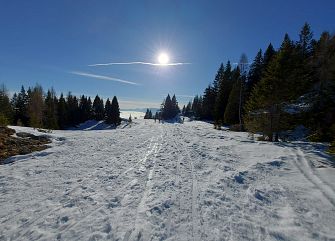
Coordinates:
[163,59]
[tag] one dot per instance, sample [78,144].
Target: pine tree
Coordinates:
[232,113]
[188,109]
[255,72]
[218,78]
[21,108]
[305,43]
[50,110]
[175,108]
[183,110]
[98,108]
[35,107]
[197,106]
[269,54]
[208,103]
[283,81]
[62,112]
[223,94]
[6,111]
[115,112]
[108,111]
[72,110]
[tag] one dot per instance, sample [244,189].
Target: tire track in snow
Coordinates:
[304,166]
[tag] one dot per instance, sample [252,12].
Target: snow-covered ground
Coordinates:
[152,181]
[134,114]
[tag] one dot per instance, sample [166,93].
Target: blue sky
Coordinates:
[54,42]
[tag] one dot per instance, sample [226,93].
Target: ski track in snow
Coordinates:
[151,181]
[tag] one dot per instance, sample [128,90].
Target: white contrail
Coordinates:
[103,77]
[138,62]
[186,96]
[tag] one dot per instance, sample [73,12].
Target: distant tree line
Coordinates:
[299,75]
[37,109]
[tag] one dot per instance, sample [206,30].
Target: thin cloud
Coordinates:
[185,96]
[103,77]
[137,62]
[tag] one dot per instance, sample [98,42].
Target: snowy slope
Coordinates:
[167,182]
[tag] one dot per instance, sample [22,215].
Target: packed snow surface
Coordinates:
[151,181]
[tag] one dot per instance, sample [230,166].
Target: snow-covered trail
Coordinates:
[167,182]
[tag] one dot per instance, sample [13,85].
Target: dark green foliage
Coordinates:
[98,109]
[20,105]
[85,108]
[232,113]
[255,72]
[6,111]
[50,115]
[208,103]
[44,110]
[36,107]
[115,112]
[148,114]
[225,86]
[169,108]
[62,112]
[197,106]
[72,110]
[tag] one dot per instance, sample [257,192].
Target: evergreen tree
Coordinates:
[115,112]
[72,110]
[232,113]
[197,106]
[6,111]
[35,107]
[208,103]
[225,87]
[269,54]
[255,72]
[109,112]
[85,108]
[305,43]
[21,108]
[175,108]
[188,109]
[62,112]
[183,110]
[283,81]
[146,116]
[50,110]
[98,108]
[218,78]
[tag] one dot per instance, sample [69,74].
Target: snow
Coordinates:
[134,114]
[154,181]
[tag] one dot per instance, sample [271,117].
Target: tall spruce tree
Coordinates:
[21,108]
[115,112]
[108,112]
[225,87]
[208,103]
[255,72]
[6,111]
[36,107]
[232,113]
[50,110]
[98,108]
[62,112]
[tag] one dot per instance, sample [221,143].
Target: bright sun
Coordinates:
[163,59]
